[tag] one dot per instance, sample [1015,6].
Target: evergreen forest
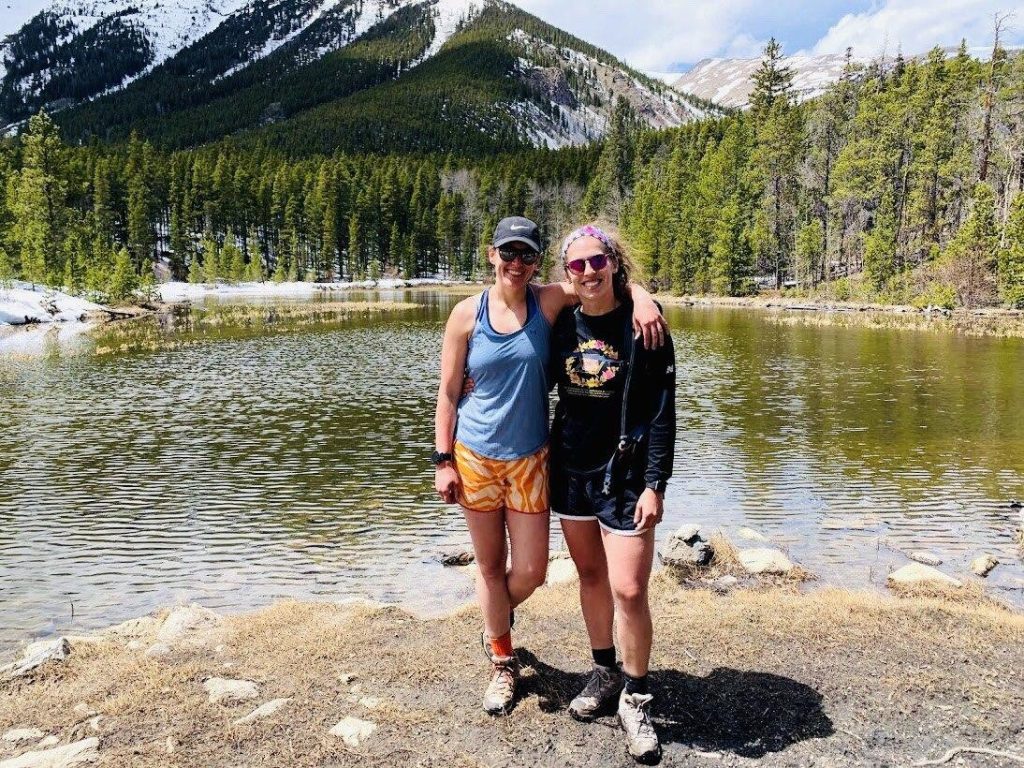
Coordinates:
[902,183]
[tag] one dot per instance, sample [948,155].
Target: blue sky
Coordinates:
[670,35]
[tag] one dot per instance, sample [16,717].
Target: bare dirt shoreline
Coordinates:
[755,677]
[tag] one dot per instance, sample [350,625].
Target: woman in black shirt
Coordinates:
[612,447]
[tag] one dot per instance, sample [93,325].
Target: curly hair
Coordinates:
[618,249]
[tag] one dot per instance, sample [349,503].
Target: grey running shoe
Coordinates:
[501,691]
[601,691]
[635,716]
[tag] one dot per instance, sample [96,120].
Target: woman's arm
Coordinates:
[647,317]
[661,444]
[453,365]
[661,437]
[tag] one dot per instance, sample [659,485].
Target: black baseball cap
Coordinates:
[517,229]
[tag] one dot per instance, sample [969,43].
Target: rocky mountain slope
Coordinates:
[728,82]
[184,72]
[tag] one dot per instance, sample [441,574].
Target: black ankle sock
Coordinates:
[636,684]
[604,656]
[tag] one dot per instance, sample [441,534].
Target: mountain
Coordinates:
[729,83]
[318,75]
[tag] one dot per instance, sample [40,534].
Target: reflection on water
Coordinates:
[244,467]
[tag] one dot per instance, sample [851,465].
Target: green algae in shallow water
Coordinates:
[195,325]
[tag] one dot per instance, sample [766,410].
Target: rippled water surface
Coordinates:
[246,464]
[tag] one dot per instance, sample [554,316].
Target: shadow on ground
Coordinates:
[746,713]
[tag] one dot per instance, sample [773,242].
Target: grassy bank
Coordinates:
[804,311]
[827,677]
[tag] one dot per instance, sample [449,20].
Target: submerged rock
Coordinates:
[982,566]
[222,690]
[353,731]
[862,523]
[751,535]
[35,656]
[84,752]
[916,574]
[457,557]
[925,558]
[764,560]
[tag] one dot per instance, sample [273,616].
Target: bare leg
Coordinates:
[584,540]
[487,530]
[528,537]
[629,570]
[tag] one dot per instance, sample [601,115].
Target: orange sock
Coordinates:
[502,646]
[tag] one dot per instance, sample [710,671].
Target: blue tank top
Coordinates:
[506,414]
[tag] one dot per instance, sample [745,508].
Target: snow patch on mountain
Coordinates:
[729,82]
[582,91]
[169,25]
[371,13]
[282,36]
[448,15]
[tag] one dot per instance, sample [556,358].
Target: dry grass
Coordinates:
[758,673]
[813,312]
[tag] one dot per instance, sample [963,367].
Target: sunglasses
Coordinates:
[509,255]
[597,262]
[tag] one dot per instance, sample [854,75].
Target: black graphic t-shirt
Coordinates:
[590,372]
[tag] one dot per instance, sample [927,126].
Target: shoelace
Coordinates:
[504,678]
[644,717]
[596,683]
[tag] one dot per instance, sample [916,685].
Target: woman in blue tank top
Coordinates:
[491,445]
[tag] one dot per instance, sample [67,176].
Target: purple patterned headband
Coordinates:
[588,230]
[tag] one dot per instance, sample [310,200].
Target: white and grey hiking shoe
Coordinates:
[501,691]
[599,694]
[641,738]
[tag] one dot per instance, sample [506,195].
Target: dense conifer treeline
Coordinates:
[907,177]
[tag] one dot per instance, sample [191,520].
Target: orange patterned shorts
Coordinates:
[490,485]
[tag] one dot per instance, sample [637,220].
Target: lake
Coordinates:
[243,461]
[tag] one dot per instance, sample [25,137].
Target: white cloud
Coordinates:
[915,26]
[654,34]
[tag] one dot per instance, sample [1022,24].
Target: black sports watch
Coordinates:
[658,486]
[437,458]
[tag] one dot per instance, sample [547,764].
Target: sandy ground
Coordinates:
[755,677]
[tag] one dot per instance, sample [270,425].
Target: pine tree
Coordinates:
[773,81]
[970,259]
[196,273]
[7,268]
[235,259]
[810,252]
[613,175]
[731,261]
[773,162]
[880,243]
[124,280]
[38,205]
[211,257]
[1011,257]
